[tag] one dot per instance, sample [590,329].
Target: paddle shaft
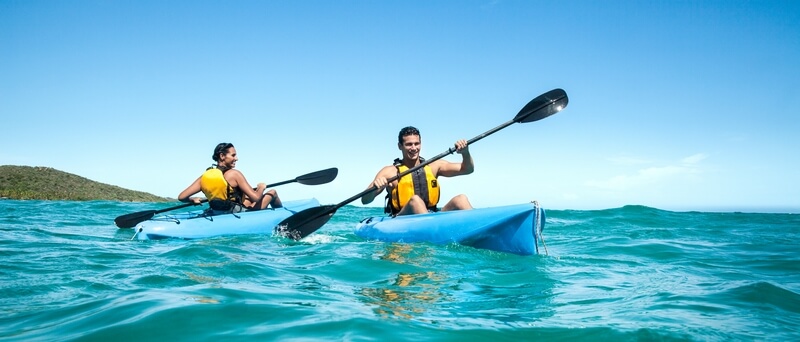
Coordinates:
[179,206]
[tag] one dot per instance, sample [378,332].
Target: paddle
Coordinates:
[308,221]
[314,178]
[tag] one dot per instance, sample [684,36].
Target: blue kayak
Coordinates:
[513,229]
[197,224]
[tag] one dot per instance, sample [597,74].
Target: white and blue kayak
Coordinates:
[199,224]
[513,229]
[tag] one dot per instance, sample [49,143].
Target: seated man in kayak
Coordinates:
[418,192]
[226,188]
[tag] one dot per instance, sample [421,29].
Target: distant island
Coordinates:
[47,183]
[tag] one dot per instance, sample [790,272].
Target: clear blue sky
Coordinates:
[679,105]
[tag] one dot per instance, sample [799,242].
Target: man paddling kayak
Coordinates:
[418,192]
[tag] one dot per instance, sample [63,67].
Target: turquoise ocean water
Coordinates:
[627,274]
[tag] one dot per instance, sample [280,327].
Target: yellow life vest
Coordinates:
[219,193]
[421,182]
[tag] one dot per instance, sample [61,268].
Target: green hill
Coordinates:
[46,183]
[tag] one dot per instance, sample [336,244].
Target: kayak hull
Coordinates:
[196,225]
[512,229]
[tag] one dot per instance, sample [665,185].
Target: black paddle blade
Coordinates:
[305,222]
[543,106]
[319,177]
[132,219]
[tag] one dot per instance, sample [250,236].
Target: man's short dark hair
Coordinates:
[410,130]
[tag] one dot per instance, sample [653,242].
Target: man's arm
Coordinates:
[467,166]
[379,182]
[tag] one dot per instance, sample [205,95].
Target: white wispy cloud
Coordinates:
[694,159]
[650,175]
